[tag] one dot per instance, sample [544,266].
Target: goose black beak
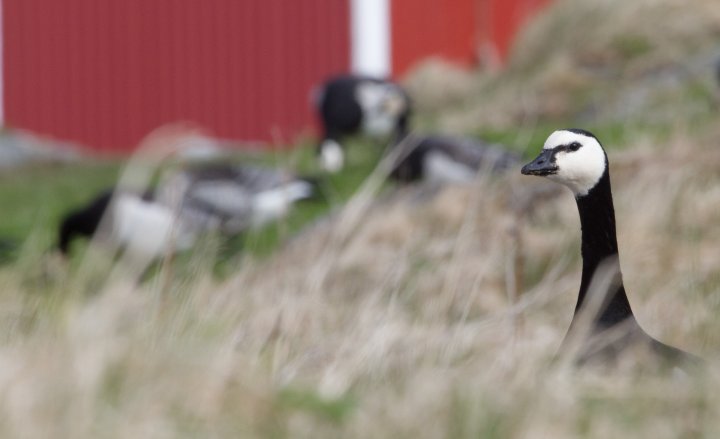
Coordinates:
[544,164]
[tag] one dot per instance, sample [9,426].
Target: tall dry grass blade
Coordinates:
[354,211]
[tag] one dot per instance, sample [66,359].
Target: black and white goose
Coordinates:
[357,104]
[576,159]
[232,199]
[135,222]
[448,159]
[223,198]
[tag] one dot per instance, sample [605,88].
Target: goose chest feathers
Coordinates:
[576,159]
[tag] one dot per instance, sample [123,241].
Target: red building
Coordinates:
[105,73]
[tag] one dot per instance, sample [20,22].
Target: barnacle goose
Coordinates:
[575,158]
[225,198]
[135,221]
[234,198]
[357,104]
[447,159]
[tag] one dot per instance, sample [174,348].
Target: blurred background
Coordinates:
[103,75]
[84,82]
[381,303]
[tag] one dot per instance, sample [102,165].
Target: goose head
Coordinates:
[571,157]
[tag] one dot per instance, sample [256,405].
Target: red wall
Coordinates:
[105,73]
[455,29]
[500,21]
[432,27]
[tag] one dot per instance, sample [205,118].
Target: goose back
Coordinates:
[448,159]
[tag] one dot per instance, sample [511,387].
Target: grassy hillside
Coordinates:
[413,313]
[621,70]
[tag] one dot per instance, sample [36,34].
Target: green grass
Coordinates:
[335,410]
[404,329]
[34,198]
[631,46]
[528,140]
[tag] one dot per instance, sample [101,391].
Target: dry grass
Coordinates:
[589,62]
[398,320]
[406,315]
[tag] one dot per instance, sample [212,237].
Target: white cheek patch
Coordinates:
[377,125]
[381,105]
[395,104]
[369,94]
[579,170]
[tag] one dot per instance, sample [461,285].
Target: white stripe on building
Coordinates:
[370,37]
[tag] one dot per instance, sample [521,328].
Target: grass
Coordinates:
[615,135]
[620,71]
[335,190]
[398,315]
[402,328]
[36,197]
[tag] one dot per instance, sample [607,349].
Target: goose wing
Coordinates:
[225,197]
[258,179]
[448,159]
[473,153]
[219,204]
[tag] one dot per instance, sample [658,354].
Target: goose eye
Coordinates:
[574,146]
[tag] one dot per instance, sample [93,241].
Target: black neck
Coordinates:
[599,248]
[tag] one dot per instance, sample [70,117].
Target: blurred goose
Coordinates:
[575,158]
[224,198]
[136,222]
[448,159]
[356,104]
[232,199]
